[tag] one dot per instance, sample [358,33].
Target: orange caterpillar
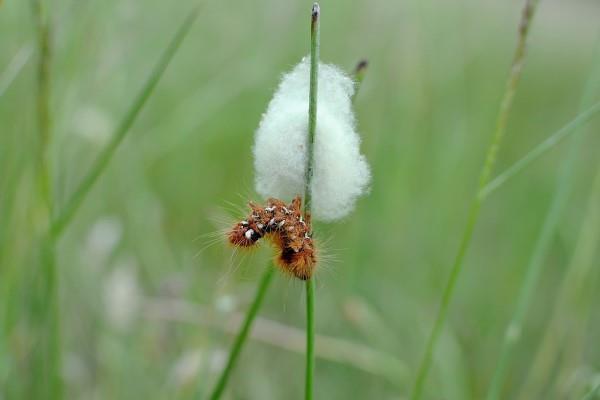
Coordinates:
[287,228]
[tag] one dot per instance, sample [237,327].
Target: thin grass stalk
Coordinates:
[567,327]
[15,67]
[83,189]
[565,332]
[592,393]
[46,311]
[42,22]
[312,103]
[501,123]
[577,123]
[310,339]
[312,127]
[536,263]
[49,355]
[242,336]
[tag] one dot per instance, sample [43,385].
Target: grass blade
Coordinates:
[46,359]
[554,139]
[503,114]
[14,68]
[312,101]
[312,127]
[242,336]
[106,155]
[566,330]
[592,393]
[535,265]
[310,339]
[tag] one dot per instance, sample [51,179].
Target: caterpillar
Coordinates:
[288,230]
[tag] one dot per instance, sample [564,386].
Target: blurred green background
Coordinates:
[149,301]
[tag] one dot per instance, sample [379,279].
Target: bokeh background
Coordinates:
[150,301]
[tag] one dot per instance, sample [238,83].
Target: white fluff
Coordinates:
[340,172]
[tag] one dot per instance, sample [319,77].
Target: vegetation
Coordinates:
[148,304]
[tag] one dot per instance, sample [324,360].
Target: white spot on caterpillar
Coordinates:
[249,234]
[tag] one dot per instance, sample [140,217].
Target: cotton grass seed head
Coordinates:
[340,173]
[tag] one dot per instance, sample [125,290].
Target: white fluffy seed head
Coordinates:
[340,173]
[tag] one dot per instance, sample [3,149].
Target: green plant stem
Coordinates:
[574,301]
[513,331]
[312,103]
[578,122]
[43,99]
[310,339]
[243,333]
[106,155]
[536,263]
[46,305]
[592,393]
[312,127]
[14,68]
[503,114]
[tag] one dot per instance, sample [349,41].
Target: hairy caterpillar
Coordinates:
[287,228]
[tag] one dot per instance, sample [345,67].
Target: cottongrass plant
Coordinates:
[299,150]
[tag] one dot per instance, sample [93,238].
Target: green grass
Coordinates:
[45,313]
[535,267]
[506,104]
[315,29]
[242,336]
[425,110]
